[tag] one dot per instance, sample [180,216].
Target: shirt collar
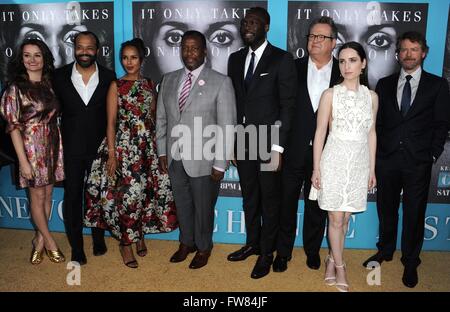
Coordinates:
[416,74]
[196,72]
[260,50]
[76,72]
[327,67]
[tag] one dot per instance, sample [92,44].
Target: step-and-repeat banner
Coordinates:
[162,23]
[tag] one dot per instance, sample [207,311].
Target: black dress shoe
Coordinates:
[378,257]
[79,257]
[182,253]
[200,259]
[262,266]
[243,253]
[280,263]
[100,249]
[410,277]
[313,262]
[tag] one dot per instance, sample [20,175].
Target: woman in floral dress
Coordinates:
[30,108]
[125,192]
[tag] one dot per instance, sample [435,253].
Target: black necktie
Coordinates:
[406,96]
[249,75]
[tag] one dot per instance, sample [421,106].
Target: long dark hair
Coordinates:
[362,55]
[18,75]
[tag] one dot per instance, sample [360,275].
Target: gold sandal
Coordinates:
[55,256]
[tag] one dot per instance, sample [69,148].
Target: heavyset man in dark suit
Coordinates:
[82,88]
[316,73]
[265,81]
[412,125]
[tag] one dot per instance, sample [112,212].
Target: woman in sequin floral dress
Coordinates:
[30,108]
[125,191]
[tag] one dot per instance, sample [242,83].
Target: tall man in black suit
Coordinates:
[412,124]
[82,88]
[264,79]
[316,73]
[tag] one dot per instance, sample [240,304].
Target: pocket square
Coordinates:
[263,74]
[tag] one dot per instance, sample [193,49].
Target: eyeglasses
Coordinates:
[318,38]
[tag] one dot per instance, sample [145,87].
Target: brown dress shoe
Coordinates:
[200,259]
[182,253]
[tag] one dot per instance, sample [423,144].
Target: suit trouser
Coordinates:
[76,170]
[314,219]
[195,199]
[395,173]
[261,195]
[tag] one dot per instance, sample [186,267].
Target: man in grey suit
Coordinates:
[196,114]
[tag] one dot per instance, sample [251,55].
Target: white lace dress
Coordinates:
[344,165]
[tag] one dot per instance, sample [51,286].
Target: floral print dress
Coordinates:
[40,132]
[138,200]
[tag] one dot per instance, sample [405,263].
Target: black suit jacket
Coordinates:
[304,122]
[271,94]
[83,126]
[422,132]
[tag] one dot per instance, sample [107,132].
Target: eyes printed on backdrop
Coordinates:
[56,24]
[376,25]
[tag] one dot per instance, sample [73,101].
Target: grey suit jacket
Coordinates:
[202,136]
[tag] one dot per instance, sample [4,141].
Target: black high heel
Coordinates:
[132,263]
[142,252]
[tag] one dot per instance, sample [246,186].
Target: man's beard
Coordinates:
[86,63]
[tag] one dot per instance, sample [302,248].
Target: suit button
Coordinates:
[401,142]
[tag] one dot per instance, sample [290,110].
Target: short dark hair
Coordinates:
[261,12]
[87,33]
[325,20]
[194,34]
[137,43]
[413,36]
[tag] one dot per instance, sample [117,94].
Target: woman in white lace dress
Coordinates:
[344,169]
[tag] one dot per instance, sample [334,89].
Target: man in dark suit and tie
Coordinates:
[316,73]
[412,124]
[265,82]
[82,87]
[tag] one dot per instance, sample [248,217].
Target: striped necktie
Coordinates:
[185,91]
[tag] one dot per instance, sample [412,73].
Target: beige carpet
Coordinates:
[156,273]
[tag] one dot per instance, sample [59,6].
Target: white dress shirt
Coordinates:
[258,54]
[318,80]
[414,84]
[84,90]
